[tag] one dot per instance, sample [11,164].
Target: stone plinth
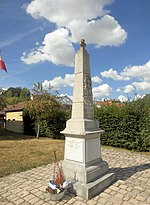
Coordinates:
[82,161]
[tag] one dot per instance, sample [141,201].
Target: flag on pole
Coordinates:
[2,64]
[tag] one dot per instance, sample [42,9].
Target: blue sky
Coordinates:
[38,40]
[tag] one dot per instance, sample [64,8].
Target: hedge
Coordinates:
[127,126]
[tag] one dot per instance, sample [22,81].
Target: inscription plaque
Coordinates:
[74,149]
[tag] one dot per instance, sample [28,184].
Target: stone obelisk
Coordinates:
[82,160]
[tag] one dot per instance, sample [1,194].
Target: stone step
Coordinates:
[89,190]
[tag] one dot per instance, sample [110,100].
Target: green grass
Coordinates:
[5,135]
[20,152]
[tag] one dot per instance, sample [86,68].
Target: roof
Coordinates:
[64,100]
[108,103]
[21,105]
[15,107]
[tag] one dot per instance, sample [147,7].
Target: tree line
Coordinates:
[13,96]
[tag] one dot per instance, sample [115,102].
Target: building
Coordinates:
[65,100]
[110,102]
[14,118]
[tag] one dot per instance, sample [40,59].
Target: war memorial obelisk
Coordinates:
[82,160]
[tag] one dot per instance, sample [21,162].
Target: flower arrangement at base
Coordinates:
[58,184]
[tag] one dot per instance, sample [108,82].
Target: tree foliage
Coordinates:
[28,123]
[42,108]
[2,101]
[15,95]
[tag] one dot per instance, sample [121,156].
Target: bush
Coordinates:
[53,125]
[28,123]
[57,123]
[126,126]
[44,128]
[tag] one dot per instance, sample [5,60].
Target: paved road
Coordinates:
[132,185]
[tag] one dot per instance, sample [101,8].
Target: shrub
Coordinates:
[126,126]
[28,123]
[53,125]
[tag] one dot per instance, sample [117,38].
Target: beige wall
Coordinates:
[14,121]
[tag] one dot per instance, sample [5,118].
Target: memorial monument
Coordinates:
[82,160]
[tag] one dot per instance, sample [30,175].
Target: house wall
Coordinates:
[14,121]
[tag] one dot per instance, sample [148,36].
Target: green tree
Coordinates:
[2,101]
[24,95]
[14,95]
[43,105]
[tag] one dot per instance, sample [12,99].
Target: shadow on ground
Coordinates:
[127,172]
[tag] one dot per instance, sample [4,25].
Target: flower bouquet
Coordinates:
[57,186]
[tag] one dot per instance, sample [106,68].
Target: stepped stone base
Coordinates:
[84,173]
[91,189]
[88,180]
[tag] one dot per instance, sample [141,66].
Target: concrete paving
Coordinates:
[132,185]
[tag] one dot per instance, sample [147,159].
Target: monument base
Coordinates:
[91,189]
[88,180]
[84,166]
[84,173]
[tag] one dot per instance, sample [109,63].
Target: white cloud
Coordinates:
[122,98]
[96,79]
[58,82]
[37,43]
[102,91]
[138,71]
[55,48]
[142,86]
[63,12]
[114,75]
[70,17]
[106,31]
[128,89]
[138,96]
[119,90]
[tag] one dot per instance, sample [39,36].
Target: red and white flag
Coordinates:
[2,64]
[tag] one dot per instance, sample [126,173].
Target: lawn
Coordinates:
[20,152]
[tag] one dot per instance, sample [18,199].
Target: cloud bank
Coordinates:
[55,48]
[74,20]
[59,82]
[114,75]
[102,91]
[140,73]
